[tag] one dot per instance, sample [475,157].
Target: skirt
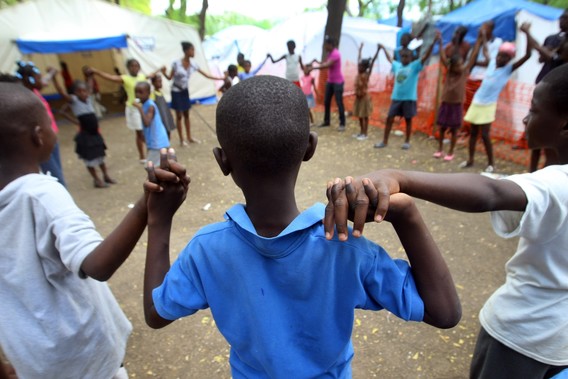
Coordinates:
[311,100]
[180,100]
[362,107]
[481,114]
[450,115]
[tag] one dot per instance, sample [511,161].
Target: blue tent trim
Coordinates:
[70,46]
[393,21]
[502,12]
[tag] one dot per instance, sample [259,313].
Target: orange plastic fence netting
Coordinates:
[506,130]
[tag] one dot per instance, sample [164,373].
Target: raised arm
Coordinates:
[156,72]
[107,76]
[256,70]
[433,279]
[430,48]
[60,89]
[443,58]
[359,53]
[475,52]
[165,73]
[525,28]
[374,59]
[366,198]
[162,206]
[387,55]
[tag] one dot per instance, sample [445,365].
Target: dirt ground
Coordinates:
[385,347]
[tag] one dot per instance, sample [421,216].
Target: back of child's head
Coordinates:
[264,123]
[557,91]
[20,110]
[232,69]
[28,73]
[364,64]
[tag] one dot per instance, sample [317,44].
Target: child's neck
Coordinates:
[272,212]
[10,172]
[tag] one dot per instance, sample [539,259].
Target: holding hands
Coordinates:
[166,187]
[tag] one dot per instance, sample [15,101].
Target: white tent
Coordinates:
[307,30]
[96,33]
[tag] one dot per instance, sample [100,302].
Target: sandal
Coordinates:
[438,154]
[449,157]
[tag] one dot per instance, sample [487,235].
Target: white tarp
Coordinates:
[154,42]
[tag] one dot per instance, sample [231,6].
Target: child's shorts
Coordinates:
[362,107]
[94,162]
[403,108]
[311,100]
[450,115]
[180,100]
[481,114]
[133,118]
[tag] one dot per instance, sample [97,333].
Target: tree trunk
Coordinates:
[400,13]
[335,10]
[202,15]
[452,5]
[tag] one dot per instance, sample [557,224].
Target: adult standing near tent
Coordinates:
[492,45]
[457,46]
[335,82]
[180,73]
[546,51]
[128,81]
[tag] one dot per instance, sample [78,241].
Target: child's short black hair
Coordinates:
[365,63]
[144,85]
[232,68]
[291,43]
[264,121]
[78,84]
[186,46]
[131,61]
[557,81]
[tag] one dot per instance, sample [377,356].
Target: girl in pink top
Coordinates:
[307,82]
[334,85]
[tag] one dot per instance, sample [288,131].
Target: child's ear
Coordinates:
[222,160]
[311,149]
[37,136]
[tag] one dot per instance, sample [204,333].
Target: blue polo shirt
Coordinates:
[285,304]
[406,80]
[155,134]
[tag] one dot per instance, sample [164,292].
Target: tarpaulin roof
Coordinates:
[503,13]
[60,46]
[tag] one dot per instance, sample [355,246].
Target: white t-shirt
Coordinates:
[478,72]
[529,313]
[292,68]
[54,322]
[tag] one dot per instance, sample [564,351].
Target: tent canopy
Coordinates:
[502,12]
[99,34]
[393,21]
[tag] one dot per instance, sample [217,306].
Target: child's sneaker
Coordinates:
[438,154]
[380,145]
[489,169]
[355,135]
[362,137]
[341,128]
[449,157]
[405,146]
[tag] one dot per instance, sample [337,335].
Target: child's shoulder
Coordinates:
[43,188]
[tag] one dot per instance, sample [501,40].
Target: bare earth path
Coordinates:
[384,346]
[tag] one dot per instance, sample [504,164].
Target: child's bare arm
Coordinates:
[366,198]
[374,59]
[359,53]
[314,87]
[60,90]
[525,28]
[156,72]
[209,76]
[443,58]
[277,60]
[430,48]
[434,282]
[387,54]
[107,76]
[166,75]
[146,117]
[161,208]
[64,111]
[475,52]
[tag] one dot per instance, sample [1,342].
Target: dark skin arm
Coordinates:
[146,117]
[277,60]
[60,89]
[366,198]
[525,28]
[434,282]
[387,55]
[161,207]
[107,76]
[475,52]
[430,48]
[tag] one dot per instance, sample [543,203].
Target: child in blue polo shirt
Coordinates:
[405,91]
[282,292]
[155,134]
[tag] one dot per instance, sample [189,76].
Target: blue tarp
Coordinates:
[502,12]
[393,21]
[69,46]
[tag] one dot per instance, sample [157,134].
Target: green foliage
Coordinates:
[7,3]
[142,6]
[554,3]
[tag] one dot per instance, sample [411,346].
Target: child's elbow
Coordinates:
[446,319]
